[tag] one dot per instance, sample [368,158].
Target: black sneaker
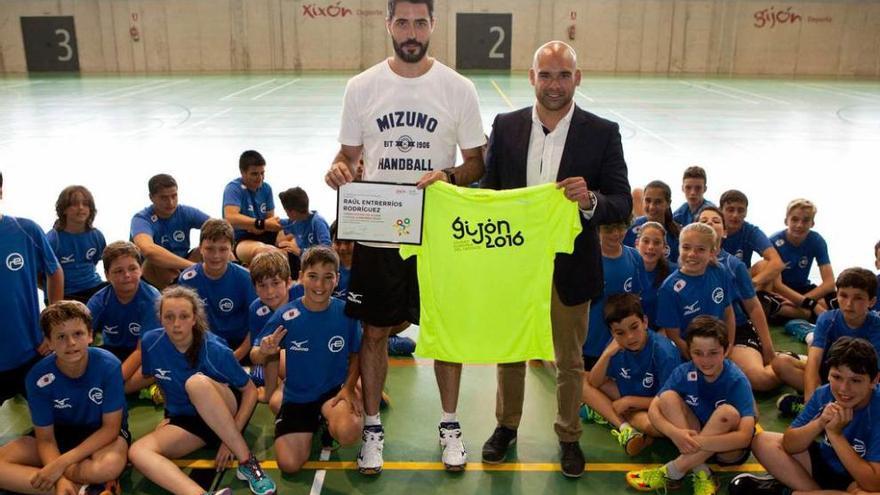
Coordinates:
[572,460]
[752,484]
[495,448]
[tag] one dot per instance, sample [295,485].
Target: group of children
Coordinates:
[680,340]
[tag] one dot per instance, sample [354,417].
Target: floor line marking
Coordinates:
[500,92]
[127,88]
[211,117]
[646,131]
[151,88]
[722,93]
[318,483]
[276,88]
[26,83]
[756,95]
[583,95]
[526,467]
[255,86]
[828,90]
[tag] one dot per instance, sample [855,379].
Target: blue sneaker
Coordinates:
[799,329]
[258,481]
[257,375]
[401,346]
[589,415]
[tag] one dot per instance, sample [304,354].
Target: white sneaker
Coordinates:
[369,459]
[454,454]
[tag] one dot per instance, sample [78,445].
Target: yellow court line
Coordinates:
[523,467]
[503,96]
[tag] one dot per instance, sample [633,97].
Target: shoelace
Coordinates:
[450,433]
[255,468]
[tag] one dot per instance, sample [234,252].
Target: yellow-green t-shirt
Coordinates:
[485,271]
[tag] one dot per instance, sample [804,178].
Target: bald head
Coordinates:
[557,50]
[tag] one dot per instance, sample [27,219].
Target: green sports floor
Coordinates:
[774,139]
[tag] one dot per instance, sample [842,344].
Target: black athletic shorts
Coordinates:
[67,437]
[197,426]
[830,298]
[384,289]
[84,295]
[302,417]
[121,353]
[824,474]
[747,335]
[12,382]
[590,362]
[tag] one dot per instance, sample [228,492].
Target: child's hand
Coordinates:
[269,344]
[65,487]
[828,413]
[46,477]
[612,348]
[624,405]
[349,396]
[686,441]
[842,417]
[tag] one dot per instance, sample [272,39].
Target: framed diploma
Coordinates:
[380,212]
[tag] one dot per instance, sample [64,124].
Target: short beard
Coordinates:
[407,57]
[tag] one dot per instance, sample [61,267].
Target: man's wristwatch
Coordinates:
[450,175]
[592,201]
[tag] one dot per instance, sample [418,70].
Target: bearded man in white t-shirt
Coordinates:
[406,115]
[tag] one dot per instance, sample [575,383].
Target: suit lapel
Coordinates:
[572,146]
[521,146]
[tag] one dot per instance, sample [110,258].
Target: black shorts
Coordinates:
[825,476]
[67,437]
[12,382]
[84,295]
[384,289]
[121,353]
[197,426]
[747,335]
[590,362]
[302,417]
[739,461]
[830,298]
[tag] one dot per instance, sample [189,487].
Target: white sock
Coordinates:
[448,417]
[372,420]
[624,425]
[704,468]
[672,472]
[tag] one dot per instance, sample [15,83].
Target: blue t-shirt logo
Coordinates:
[179,236]
[803,262]
[720,402]
[859,446]
[96,395]
[336,343]
[679,284]
[134,328]
[110,329]
[226,305]
[188,275]
[91,253]
[624,373]
[628,285]
[62,403]
[648,380]
[290,314]
[692,400]
[45,380]
[299,346]
[15,262]
[718,295]
[692,308]
[162,374]
[780,242]
[263,310]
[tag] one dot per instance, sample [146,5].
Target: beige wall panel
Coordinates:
[109,55]
[155,39]
[600,36]
[694,26]
[129,53]
[819,45]
[630,32]
[762,46]
[184,37]
[215,34]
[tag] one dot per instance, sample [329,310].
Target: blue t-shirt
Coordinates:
[78,255]
[684,297]
[56,399]
[313,231]
[877,304]
[731,387]
[255,204]
[746,241]
[317,346]
[227,299]
[171,368]
[742,282]
[684,216]
[831,326]
[650,289]
[171,233]
[622,274]
[121,324]
[862,433]
[642,373]
[24,252]
[632,235]
[799,259]
[341,290]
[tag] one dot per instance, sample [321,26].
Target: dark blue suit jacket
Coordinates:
[592,151]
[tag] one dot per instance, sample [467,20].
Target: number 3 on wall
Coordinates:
[64,43]
[493,52]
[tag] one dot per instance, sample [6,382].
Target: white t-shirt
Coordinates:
[410,125]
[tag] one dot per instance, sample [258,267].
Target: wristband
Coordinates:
[808,303]
[259,223]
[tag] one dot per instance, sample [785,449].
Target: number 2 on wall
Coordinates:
[493,52]
[65,43]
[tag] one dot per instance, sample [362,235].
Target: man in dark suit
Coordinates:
[554,140]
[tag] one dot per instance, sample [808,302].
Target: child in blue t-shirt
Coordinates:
[799,245]
[876,307]
[623,271]
[856,295]
[699,287]
[123,310]
[651,244]
[209,398]
[225,287]
[752,348]
[706,408]
[24,254]
[629,373]
[834,443]
[78,409]
[76,243]
[744,239]
[249,206]
[693,185]
[302,229]
[657,198]
[321,344]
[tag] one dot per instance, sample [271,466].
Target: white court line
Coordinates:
[255,86]
[127,88]
[722,93]
[210,117]
[756,95]
[825,90]
[276,88]
[27,83]
[849,92]
[318,483]
[647,131]
[582,95]
[152,88]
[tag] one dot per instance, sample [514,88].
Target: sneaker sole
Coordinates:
[370,471]
[637,444]
[572,475]
[242,477]
[501,460]
[455,469]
